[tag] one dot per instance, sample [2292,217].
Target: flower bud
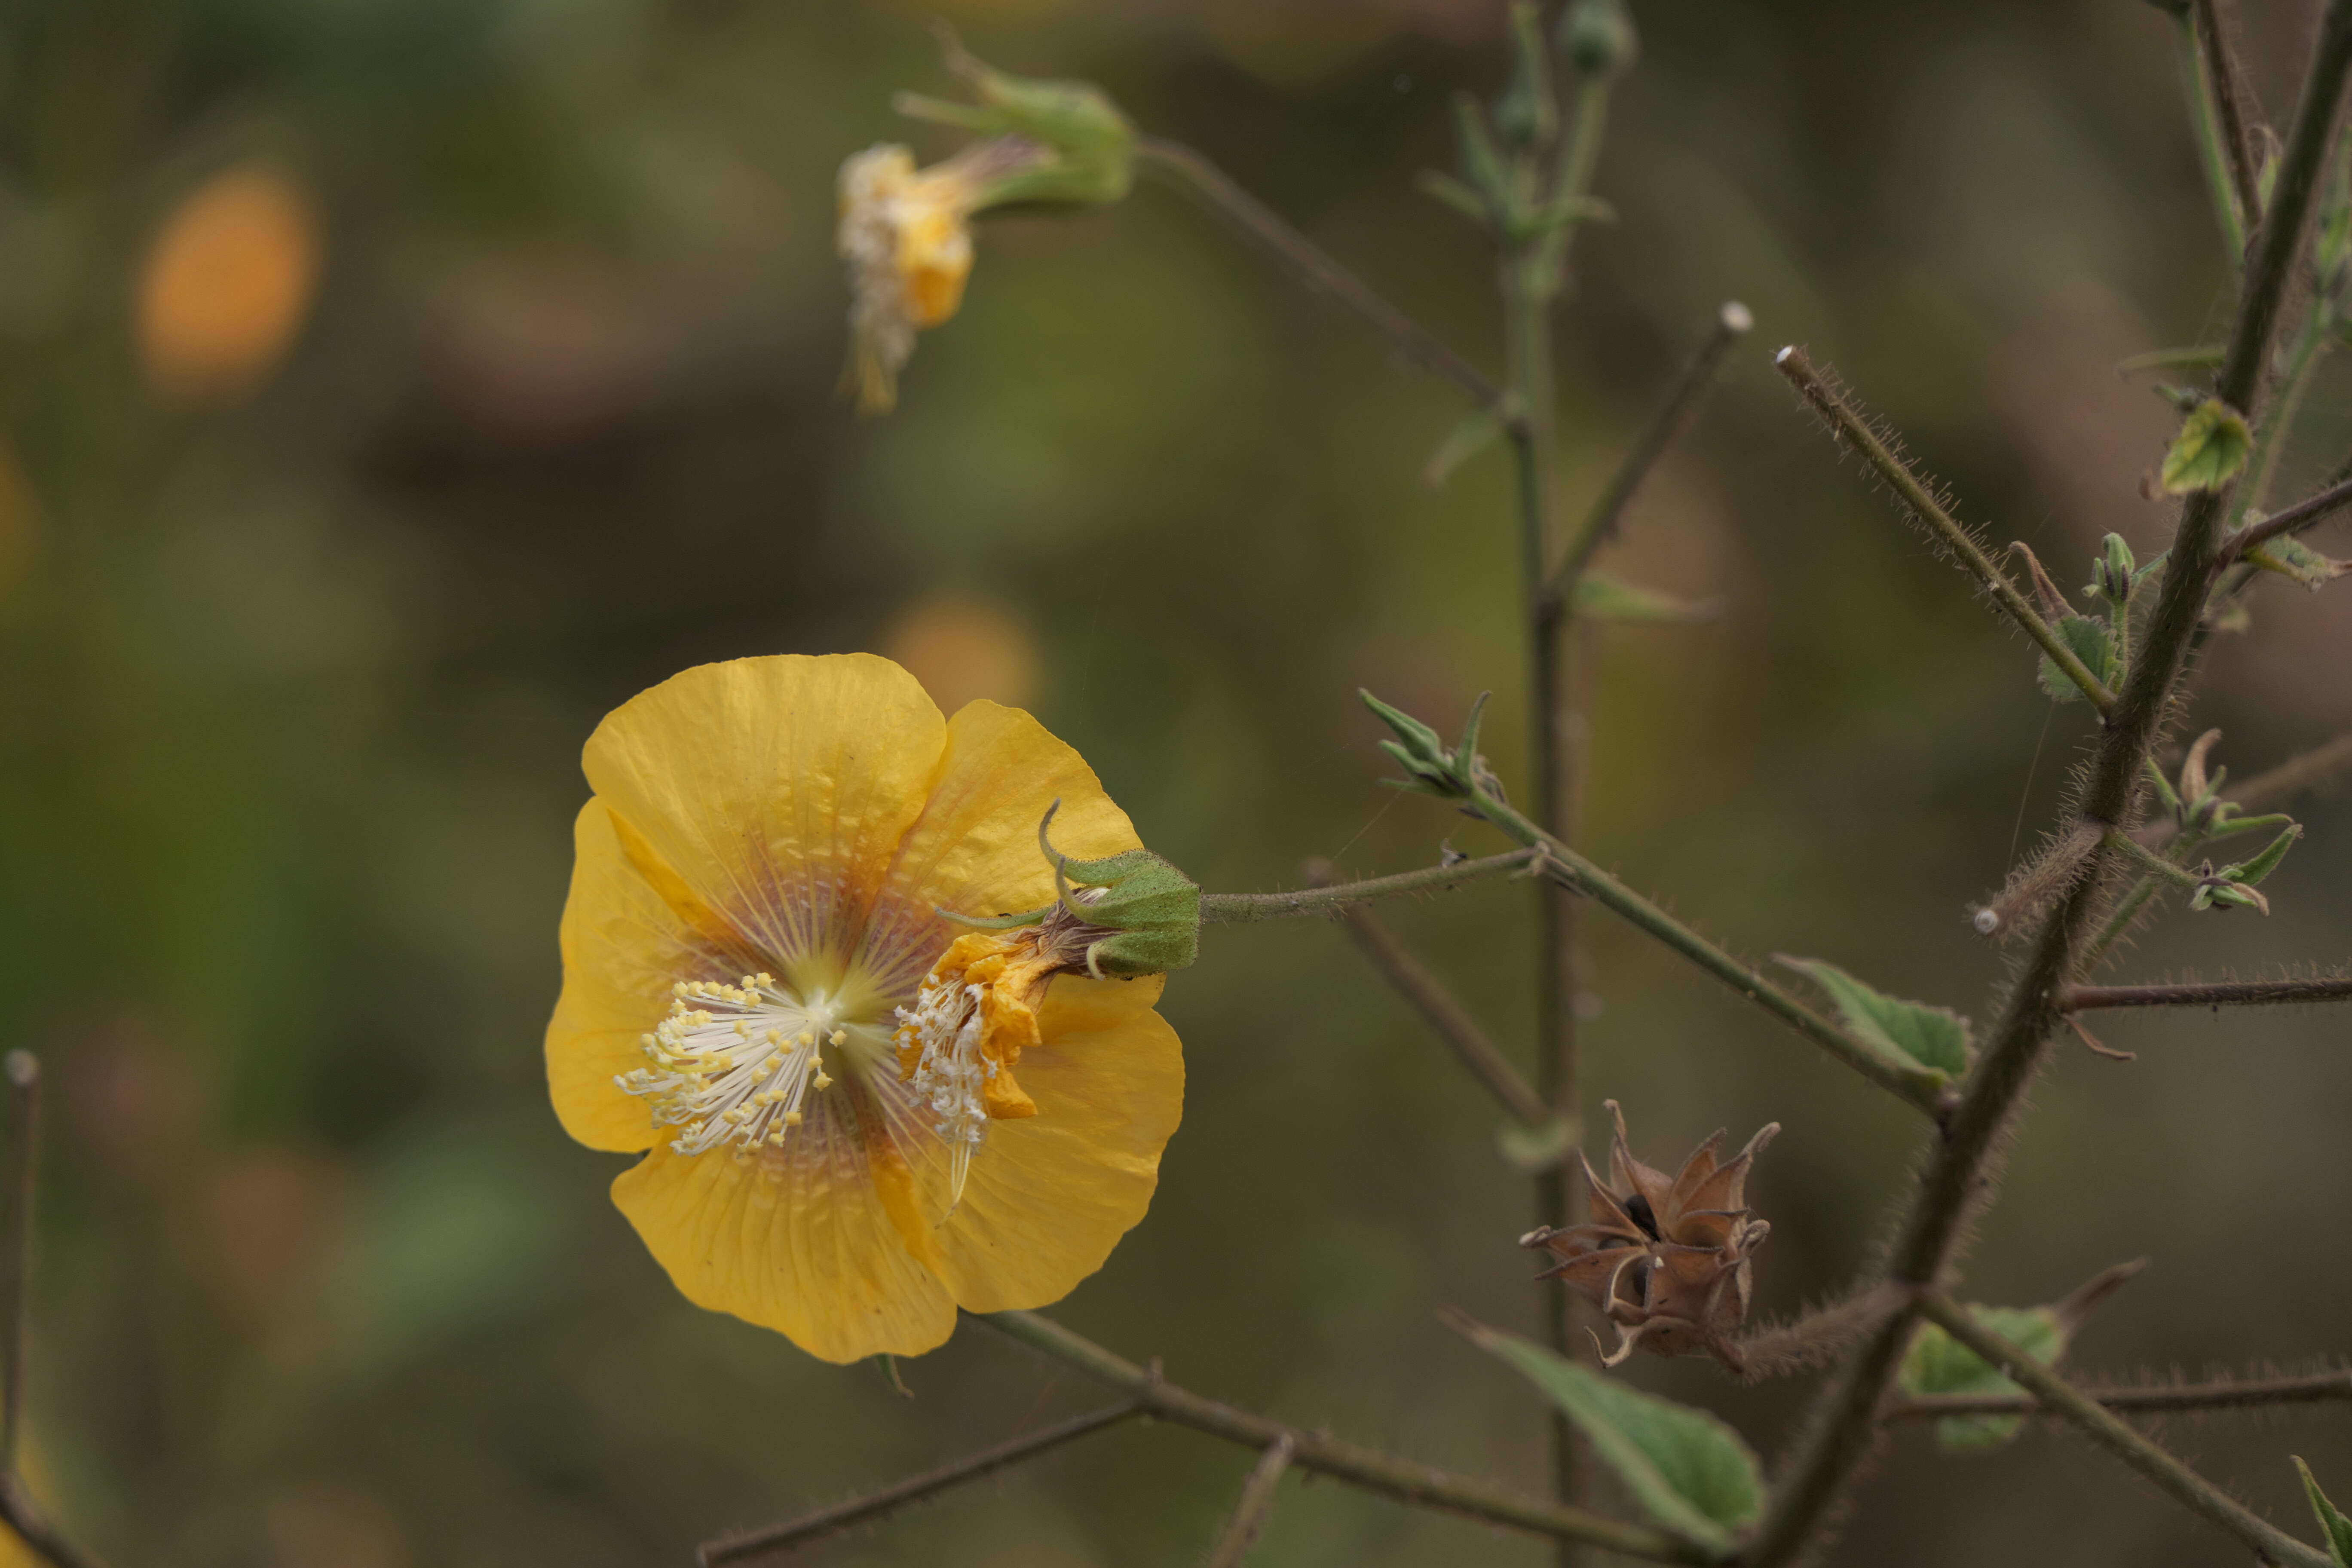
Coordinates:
[1597,38]
[1120,918]
[1089,145]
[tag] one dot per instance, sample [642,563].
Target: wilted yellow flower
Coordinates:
[906,237]
[227,282]
[753,919]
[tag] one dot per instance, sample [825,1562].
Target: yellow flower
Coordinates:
[906,236]
[756,977]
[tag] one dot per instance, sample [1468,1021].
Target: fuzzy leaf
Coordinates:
[1938,1364]
[1695,1475]
[1911,1033]
[2291,557]
[2212,447]
[2090,641]
[2331,1523]
[1606,599]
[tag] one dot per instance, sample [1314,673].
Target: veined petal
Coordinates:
[775,790]
[974,848]
[800,1238]
[1049,1195]
[625,944]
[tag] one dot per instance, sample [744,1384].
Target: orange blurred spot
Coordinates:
[961,647]
[226,285]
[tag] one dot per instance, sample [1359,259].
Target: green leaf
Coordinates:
[1606,599]
[2331,1523]
[1695,1475]
[2264,864]
[2089,640]
[2291,557]
[1938,1364]
[2212,447]
[1911,1033]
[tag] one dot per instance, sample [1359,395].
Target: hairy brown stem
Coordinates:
[2293,519]
[875,1505]
[2206,993]
[1955,1179]
[2091,1418]
[1374,1471]
[2319,1388]
[2229,116]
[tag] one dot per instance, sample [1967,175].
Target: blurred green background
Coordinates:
[339,500]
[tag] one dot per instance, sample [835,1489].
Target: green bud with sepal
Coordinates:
[1089,144]
[1596,38]
[1120,917]
[1528,114]
[2233,886]
[1431,767]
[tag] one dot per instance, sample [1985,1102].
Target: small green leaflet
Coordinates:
[2291,557]
[1910,1033]
[2088,638]
[1938,1364]
[1695,1475]
[2212,447]
[2331,1523]
[1472,434]
[1606,599]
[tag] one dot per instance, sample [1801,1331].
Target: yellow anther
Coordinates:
[840,1037]
[822,1081]
[791,1118]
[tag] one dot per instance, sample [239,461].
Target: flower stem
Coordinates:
[1234,909]
[2219,79]
[1437,1006]
[2063,1400]
[1311,265]
[1916,498]
[875,1505]
[1359,1467]
[1257,1503]
[1954,1182]
[1918,1086]
[1600,525]
[2213,157]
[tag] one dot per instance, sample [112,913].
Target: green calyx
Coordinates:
[1132,914]
[1090,144]
[1431,768]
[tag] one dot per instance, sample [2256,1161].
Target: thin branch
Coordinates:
[2206,993]
[1366,1467]
[2220,75]
[1953,1182]
[2120,1439]
[1257,1503]
[1600,525]
[2303,515]
[2319,1388]
[1916,498]
[875,1505]
[2314,768]
[2149,862]
[1438,1008]
[1232,909]
[1919,1086]
[1312,265]
[23,1071]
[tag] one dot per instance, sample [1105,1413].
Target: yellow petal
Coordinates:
[974,848]
[625,944]
[798,1239]
[775,789]
[1049,1195]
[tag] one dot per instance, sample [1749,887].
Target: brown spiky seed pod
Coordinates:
[1667,1261]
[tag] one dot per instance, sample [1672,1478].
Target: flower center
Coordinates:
[732,1063]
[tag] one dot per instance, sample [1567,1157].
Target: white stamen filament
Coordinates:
[951,1074]
[732,1063]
